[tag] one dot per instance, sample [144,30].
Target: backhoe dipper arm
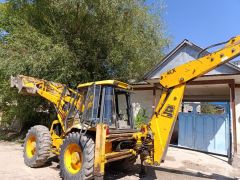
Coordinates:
[174,82]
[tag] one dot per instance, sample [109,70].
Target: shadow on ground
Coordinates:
[112,173]
[11,136]
[152,170]
[50,163]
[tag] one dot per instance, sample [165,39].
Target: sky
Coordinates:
[203,22]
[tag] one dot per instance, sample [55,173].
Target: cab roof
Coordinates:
[115,83]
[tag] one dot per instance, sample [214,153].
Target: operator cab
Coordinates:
[108,102]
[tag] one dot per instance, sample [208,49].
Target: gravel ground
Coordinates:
[179,164]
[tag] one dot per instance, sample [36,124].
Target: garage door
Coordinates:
[205,127]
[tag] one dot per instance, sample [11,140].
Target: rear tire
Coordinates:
[37,146]
[77,157]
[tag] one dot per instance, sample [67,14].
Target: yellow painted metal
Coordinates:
[107,82]
[141,135]
[100,143]
[56,140]
[162,123]
[112,153]
[201,66]
[49,90]
[55,151]
[31,146]
[55,122]
[73,158]
[161,101]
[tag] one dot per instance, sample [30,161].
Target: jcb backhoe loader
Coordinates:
[95,125]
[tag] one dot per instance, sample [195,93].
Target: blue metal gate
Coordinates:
[206,131]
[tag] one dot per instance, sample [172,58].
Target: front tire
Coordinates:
[77,157]
[37,146]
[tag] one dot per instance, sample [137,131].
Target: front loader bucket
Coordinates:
[24,86]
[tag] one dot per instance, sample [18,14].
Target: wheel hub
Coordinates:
[73,158]
[31,146]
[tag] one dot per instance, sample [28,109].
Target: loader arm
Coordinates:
[174,82]
[58,94]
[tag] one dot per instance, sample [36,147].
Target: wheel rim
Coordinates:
[31,146]
[73,158]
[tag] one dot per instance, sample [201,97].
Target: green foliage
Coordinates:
[75,41]
[141,118]
[208,108]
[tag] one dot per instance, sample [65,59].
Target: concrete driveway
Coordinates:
[179,164]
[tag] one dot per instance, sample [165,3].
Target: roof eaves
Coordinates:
[146,75]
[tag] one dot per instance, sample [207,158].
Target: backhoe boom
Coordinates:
[174,82]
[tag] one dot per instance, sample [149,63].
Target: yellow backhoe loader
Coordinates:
[95,125]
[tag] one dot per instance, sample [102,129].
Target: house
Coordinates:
[209,119]
[236,63]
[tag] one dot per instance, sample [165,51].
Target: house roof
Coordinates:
[185,42]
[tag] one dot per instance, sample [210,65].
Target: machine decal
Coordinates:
[171,71]
[168,112]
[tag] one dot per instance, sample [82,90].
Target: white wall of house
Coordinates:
[144,99]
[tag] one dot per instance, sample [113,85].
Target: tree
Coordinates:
[75,41]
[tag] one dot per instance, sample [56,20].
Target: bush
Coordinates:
[141,118]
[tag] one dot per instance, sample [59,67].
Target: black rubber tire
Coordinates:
[124,164]
[87,145]
[43,146]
